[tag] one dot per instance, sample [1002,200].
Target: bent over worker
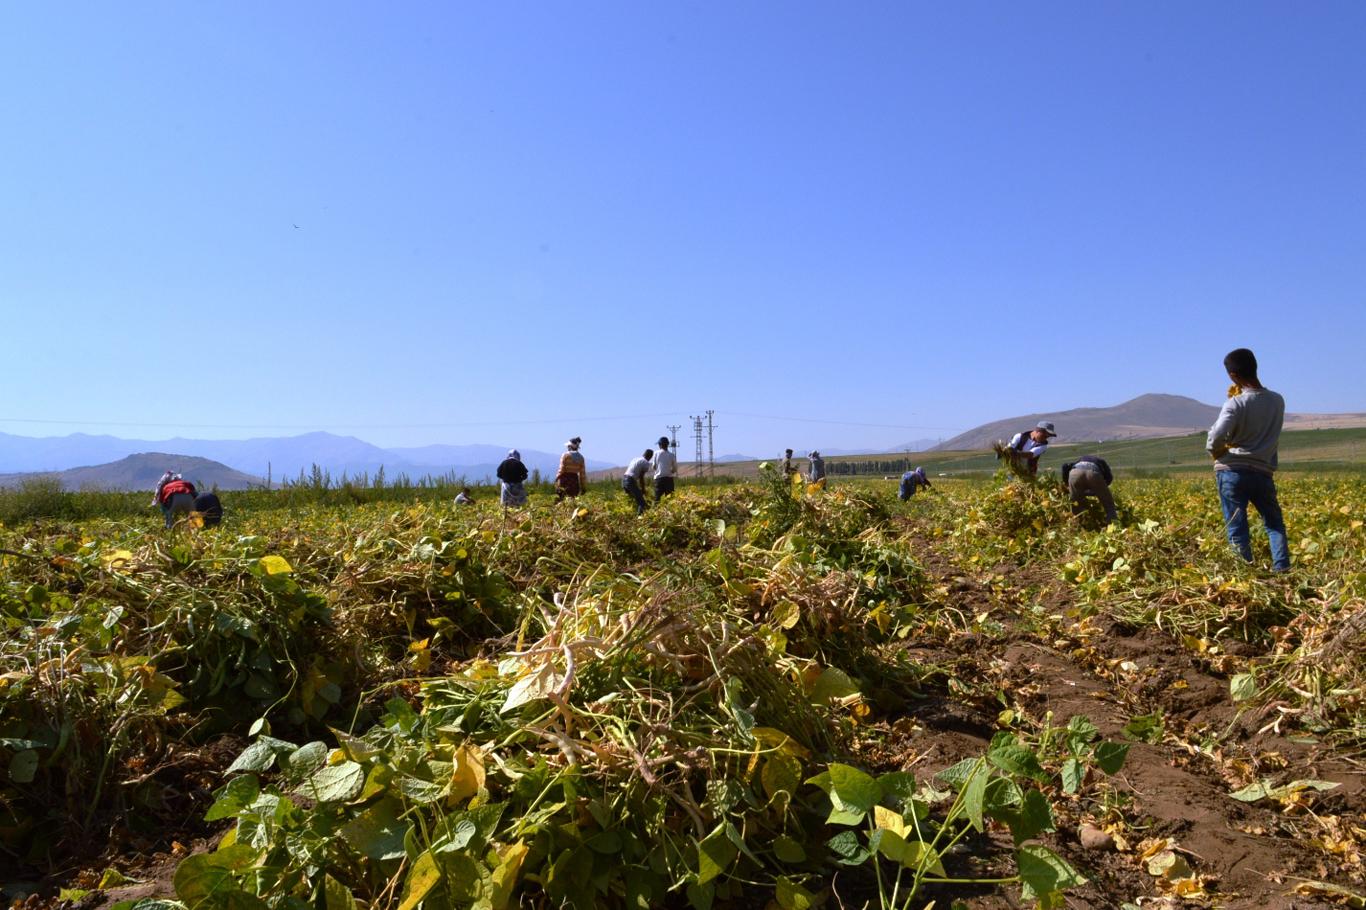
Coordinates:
[1089,475]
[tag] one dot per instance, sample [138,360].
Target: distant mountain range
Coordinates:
[281,458]
[141,472]
[1145,417]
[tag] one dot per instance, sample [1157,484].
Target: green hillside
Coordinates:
[1338,449]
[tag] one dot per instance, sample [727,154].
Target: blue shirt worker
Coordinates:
[910,481]
[1244,443]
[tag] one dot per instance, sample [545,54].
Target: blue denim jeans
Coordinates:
[633,490]
[1236,490]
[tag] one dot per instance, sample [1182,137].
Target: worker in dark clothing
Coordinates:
[910,481]
[209,508]
[1089,475]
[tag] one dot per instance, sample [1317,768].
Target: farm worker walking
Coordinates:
[815,474]
[787,464]
[633,481]
[209,508]
[909,481]
[666,468]
[175,495]
[464,497]
[571,478]
[513,474]
[1244,443]
[1030,445]
[1089,475]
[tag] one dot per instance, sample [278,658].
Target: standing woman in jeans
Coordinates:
[1244,443]
[513,474]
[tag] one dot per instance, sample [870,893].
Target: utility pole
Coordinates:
[698,465]
[673,435]
[711,453]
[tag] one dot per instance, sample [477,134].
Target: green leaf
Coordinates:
[197,879]
[715,853]
[847,849]
[1016,759]
[792,896]
[308,757]
[23,767]
[1080,731]
[788,850]
[1242,687]
[833,684]
[337,896]
[378,832]
[700,897]
[911,854]
[335,783]
[1035,815]
[239,793]
[974,796]
[1110,756]
[1042,872]
[259,756]
[1072,775]
[957,775]
[781,773]
[852,790]
[1145,728]
[898,785]
[1263,789]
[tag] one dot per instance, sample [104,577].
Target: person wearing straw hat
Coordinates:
[571,479]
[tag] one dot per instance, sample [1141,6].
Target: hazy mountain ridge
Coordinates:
[280,458]
[141,472]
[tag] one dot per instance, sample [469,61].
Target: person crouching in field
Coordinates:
[209,508]
[513,474]
[1244,443]
[465,497]
[910,481]
[633,481]
[666,468]
[571,478]
[175,495]
[1089,475]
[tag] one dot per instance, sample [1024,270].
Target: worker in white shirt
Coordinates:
[666,469]
[1027,446]
[633,481]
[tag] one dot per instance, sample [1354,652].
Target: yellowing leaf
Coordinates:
[891,821]
[275,565]
[421,880]
[467,773]
[505,876]
[117,559]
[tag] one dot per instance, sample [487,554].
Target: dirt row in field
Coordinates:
[1246,855]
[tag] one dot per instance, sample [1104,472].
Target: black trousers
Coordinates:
[663,487]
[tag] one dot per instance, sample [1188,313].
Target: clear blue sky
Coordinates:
[923,215]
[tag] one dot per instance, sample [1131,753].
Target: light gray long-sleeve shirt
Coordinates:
[1247,434]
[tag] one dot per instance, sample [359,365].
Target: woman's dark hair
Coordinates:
[1242,362]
